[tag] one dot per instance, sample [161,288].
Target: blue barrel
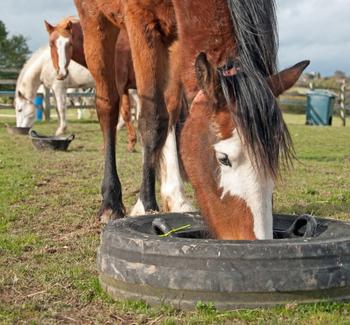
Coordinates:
[319,109]
[38,102]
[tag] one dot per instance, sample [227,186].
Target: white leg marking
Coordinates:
[172,189]
[59,90]
[80,113]
[242,180]
[135,100]
[121,122]
[138,209]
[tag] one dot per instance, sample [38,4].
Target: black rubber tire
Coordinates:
[135,263]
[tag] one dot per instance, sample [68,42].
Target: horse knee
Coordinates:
[153,132]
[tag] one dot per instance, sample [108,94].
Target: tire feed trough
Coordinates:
[186,266]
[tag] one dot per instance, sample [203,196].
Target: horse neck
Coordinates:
[78,44]
[78,77]
[30,77]
[212,33]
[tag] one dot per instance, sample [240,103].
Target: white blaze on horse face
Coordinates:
[239,178]
[61,45]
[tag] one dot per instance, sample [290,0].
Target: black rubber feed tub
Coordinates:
[43,142]
[134,262]
[15,130]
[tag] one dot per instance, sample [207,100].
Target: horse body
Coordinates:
[225,53]
[39,70]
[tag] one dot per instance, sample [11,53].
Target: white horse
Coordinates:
[40,70]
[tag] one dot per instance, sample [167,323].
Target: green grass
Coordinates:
[49,233]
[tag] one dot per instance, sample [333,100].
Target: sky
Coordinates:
[318,30]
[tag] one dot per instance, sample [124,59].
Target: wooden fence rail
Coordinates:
[10,82]
[341,92]
[11,93]
[10,70]
[342,105]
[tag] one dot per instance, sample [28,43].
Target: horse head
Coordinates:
[25,110]
[61,44]
[233,186]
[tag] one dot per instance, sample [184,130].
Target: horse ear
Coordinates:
[203,72]
[49,27]
[286,79]
[68,26]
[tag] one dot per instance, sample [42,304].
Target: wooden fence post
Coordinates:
[47,104]
[342,102]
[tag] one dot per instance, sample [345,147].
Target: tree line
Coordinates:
[14,52]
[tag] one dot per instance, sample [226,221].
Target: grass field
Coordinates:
[49,233]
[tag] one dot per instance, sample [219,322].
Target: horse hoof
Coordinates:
[185,207]
[109,215]
[60,131]
[169,205]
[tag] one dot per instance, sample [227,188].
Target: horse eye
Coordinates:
[223,160]
[20,110]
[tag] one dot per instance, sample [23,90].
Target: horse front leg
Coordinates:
[60,92]
[99,52]
[150,58]
[172,188]
[126,114]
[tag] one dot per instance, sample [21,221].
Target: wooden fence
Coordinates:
[341,105]
[10,94]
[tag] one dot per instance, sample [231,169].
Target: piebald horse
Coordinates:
[66,41]
[220,55]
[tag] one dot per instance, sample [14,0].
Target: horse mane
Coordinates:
[27,65]
[61,26]
[258,117]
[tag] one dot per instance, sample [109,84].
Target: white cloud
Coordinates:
[27,17]
[318,30]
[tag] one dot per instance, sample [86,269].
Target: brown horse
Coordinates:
[67,43]
[233,141]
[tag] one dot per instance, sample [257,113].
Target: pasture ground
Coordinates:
[49,233]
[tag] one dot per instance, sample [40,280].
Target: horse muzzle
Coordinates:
[62,76]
